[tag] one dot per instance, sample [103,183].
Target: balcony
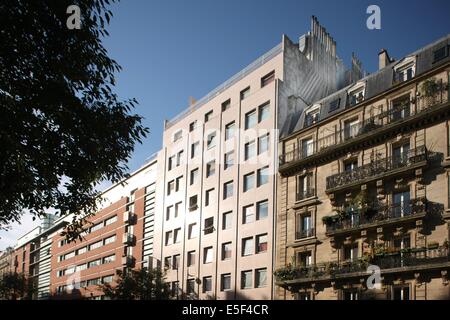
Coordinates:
[376,216]
[302,195]
[389,123]
[129,239]
[406,260]
[305,234]
[129,218]
[128,261]
[375,170]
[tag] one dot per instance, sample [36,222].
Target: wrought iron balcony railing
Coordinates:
[402,259]
[377,214]
[305,194]
[378,167]
[303,234]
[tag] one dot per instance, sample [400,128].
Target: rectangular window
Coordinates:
[177,208]
[191,258]
[208,116]
[226,105]
[209,197]
[401,293]
[109,259]
[169,213]
[263,144]
[194,176]
[168,262]
[225,282]
[180,158]
[334,105]
[96,245]
[248,214]
[177,135]
[96,227]
[262,210]
[226,220]
[250,150]
[228,190]
[229,160]
[307,147]
[94,263]
[250,119]
[249,181]
[178,183]
[195,148]
[207,284]
[356,96]
[229,131]
[312,117]
[107,279]
[269,78]
[245,93]
[246,279]
[440,54]
[209,225]
[226,251]
[190,288]
[261,243]
[247,246]
[192,126]
[351,252]
[171,162]
[210,168]
[305,189]
[260,278]
[176,262]
[211,140]
[177,235]
[263,176]
[304,259]
[82,250]
[264,112]
[192,231]
[170,187]
[169,238]
[110,220]
[94,282]
[109,240]
[208,255]
[193,205]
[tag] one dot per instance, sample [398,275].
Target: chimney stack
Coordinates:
[383,59]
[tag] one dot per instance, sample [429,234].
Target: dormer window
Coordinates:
[312,116]
[356,94]
[405,70]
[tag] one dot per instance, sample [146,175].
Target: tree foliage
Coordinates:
[15,286]
[139,284]
[63,129]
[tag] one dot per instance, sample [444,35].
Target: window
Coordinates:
[169,238]
[225,282]
[110,220]
[250,119]
[170,187]
[304,259]
[209,225]
[400,154]
[264,112]
[190,288]
[261,243]
[226,251]
[267,79]
[263,176]
[177,208]
[82,250]
[226,105]
[246,279]
[82,267]
[210,168]
[107,279]
[96,227]
[351,252]
[207,284]
[177,135]
[250,150]
[208,255]
[94,263]
[262,210]
[178,183]
[334,105]
[312,116]
[356,96]
[168,262]
[440,54]
[229,160]
[305,188]
[351,128]
[94,282]
[400,293]
[174,290]
[192,126]
[249,181]
[247,246]
[171,162]
[245,93]
[401,108]
[96,245]
[405,73]
[109,240]
[350,295]
[307,147]
[209,197]
[229,131]
[303,226]
[109,259]
[169,212]
[194,176]
[350,165]
[192,231]
[228,190]
[176,262]
[177,235]
[304,296]
[248,214]
[260,278]
[263,143]
[226,220]
[195,149]
[211,140]
[401,204]
[191,258]
[208,116]
[193,203]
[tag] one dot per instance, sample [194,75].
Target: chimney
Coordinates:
[383,59]
[192,101]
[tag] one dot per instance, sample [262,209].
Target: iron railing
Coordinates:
[377,167]
[378,213]
[303,234]
[305,194]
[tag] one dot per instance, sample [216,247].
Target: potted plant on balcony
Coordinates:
[433,245]
[286,273]
[329,220]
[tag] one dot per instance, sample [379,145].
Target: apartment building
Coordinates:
[218,170]
[364,187]
[6,261]
[118,237]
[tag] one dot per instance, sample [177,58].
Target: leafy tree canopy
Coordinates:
[14,286]
[63,129]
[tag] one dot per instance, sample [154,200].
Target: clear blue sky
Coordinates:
[170,50]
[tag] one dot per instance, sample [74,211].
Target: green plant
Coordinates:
[286,273]
[430,87]
[328,220]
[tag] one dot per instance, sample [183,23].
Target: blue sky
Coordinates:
[170,50]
